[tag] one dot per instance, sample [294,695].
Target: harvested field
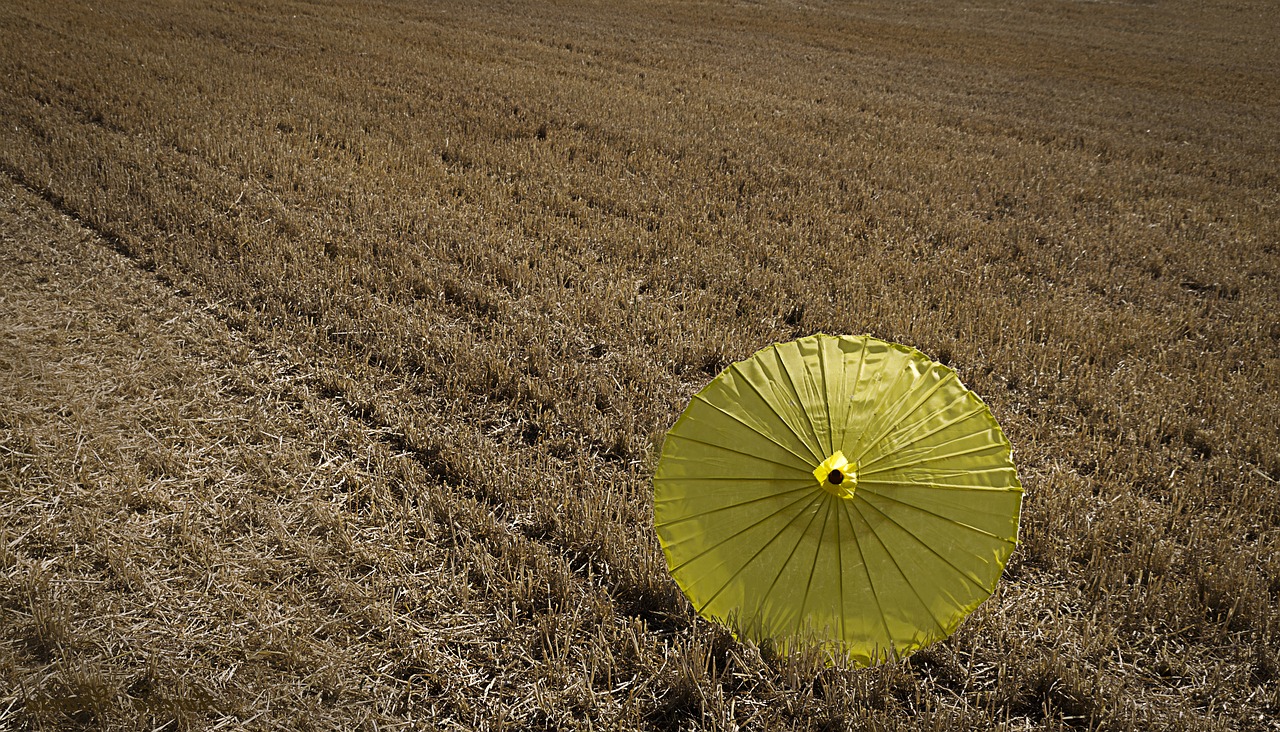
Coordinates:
[338,342]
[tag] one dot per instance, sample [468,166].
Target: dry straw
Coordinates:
[337,341]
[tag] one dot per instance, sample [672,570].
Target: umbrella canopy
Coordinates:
[845,490]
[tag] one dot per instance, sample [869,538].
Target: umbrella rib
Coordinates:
[819,393]
[927,459]
[721,478]
[980,408]
[933,551]
[897,418]
[953,440]
[891,407]
[857,379]
[765,597]
[753,428]
[736,452]
[792,383]
[840,579]
[810,408]
[940,486]
[898,567]
[752,559]
[948,519]
[738,371]
[731,506]
[804,603]
[743,530]
[826,395]
[866,569]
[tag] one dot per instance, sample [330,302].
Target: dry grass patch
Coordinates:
[338,342]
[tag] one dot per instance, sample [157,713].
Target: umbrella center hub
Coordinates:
[837,475]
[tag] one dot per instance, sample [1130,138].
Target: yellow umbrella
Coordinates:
[845,491]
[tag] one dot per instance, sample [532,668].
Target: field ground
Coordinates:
[337,342]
